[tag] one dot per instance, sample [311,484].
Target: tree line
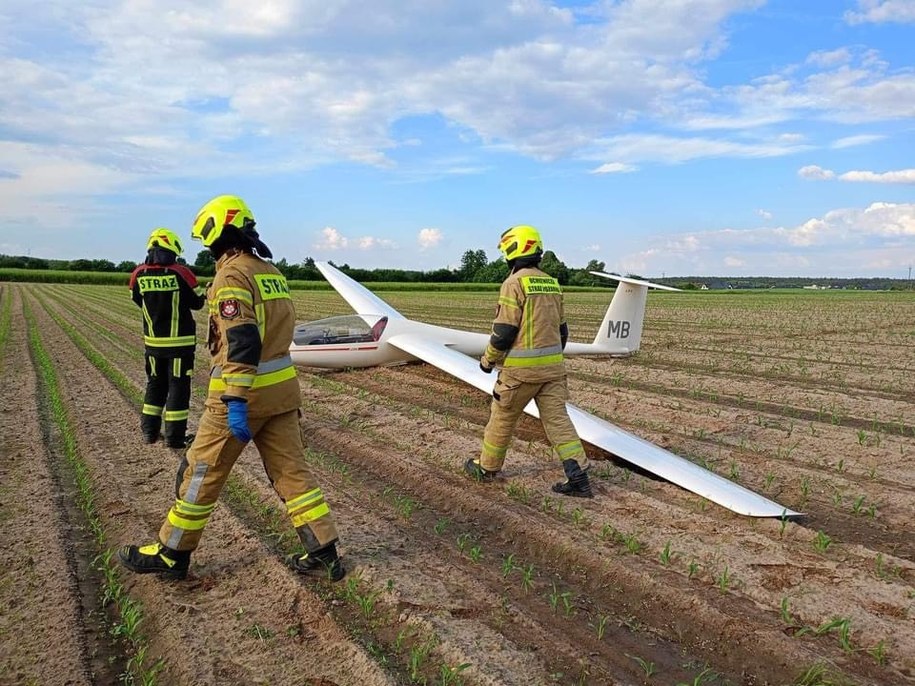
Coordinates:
[475,267]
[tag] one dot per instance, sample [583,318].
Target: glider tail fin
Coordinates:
[620,332]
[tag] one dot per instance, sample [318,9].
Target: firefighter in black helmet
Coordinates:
[166,292]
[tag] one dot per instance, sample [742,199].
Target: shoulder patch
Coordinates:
[229,309]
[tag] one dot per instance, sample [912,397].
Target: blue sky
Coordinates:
[677,137]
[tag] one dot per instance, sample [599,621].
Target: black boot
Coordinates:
[323,562]
[155,558]
[150,425]
[179,442]
[473,469]
[577,484]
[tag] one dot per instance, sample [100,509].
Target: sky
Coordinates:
[661,137]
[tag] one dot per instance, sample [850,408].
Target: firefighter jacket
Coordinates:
[167,294]
[252,319]
[529,331]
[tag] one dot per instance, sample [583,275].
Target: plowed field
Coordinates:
[807,398]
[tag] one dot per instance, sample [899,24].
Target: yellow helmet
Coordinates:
[520,241]
[220,212]
[164,238]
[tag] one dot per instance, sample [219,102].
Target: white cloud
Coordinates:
[614,168]
[851,141]
[674,150]
[764,214]
[900,176]
[332,239]
[829,58]
[880,236]
[429,238]
[812,171]
[880,11]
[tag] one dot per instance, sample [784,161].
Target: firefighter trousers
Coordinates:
[168,396]
[206,466]
[509,399]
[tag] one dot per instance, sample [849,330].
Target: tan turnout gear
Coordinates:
[528,335]
[251,325]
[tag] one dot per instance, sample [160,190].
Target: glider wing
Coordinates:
[360,298]
[603,434]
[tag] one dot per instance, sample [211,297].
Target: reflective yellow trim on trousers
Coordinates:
[180,522]
[310,515]
[532,361]
[176,415]
[260,381]
[494,450]
[152,410]
[304,499]
[169,341]
[190,509]
[569,450]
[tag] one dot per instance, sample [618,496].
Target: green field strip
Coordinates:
[128,611]
[6,315]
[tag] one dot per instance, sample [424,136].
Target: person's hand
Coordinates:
[238,419]
[485,366]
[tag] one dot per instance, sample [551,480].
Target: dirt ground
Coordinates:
[453,582]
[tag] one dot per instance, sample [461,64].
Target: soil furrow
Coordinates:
[52,614]
[242,599]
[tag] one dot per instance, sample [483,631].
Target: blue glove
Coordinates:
[238,419]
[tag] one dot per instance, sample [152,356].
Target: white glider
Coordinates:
[378,334]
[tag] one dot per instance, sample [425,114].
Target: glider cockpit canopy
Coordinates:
[349,328]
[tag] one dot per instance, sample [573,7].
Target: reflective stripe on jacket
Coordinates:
[530,303]
[252,319]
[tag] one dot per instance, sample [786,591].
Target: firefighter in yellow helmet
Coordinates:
[166,292]
[253,395]
[528,336]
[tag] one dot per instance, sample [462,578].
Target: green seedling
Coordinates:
[632,543]
[578,516]
[508,565]
[822,541]
[261,633]
[878,652]
[666,554]
[647,667]
[441,525]
[693,568]
[527,578]
[723,580]
[520,492]
[450,674]
[601,627]
[702,677]
[786,613]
